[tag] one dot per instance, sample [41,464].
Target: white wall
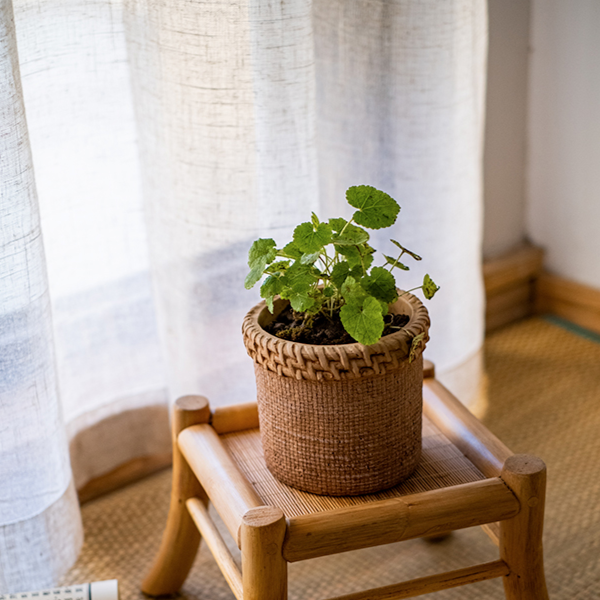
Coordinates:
[563,204]
[505,132]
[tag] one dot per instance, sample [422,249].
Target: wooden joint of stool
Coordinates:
[264,570]
[229,491]
[181,538]
[521,536]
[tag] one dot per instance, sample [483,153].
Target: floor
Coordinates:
[543,398]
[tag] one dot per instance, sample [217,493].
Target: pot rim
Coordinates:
[311,360]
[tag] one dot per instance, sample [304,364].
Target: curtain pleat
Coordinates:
[400,89]
[36,502]
[224,98]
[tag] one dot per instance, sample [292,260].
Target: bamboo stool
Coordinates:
[466,477]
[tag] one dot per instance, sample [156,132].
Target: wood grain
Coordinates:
[238,417]
[129,472]
[217,546]
[433,583]
[510,283]
[570,300]
[264,570]
[517,265]
[229,491]
[493,532]
[521,536]
[407,517]
[463,429]
[180,538]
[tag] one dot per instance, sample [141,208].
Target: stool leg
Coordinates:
[521,536]
[264,570]
[181,537]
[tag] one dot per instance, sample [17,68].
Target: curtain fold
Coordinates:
[224,98]
[401,106]
[166,137]
[34,463]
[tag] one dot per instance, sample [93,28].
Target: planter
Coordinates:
[339,420]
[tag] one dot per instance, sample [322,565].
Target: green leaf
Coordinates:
[337,224]
[261,253]
[311,239]
[351,254]
[292,251]
[429,287]
[339,273]
[300,301]
[376,209]
[314,220]
[299,277]
[380,284]
[278,266]
[309,259]
[262,250]
[406,250]
[254,276]
[352,292]
[414,346]
[328,292]
[271,286]
[364,322]
[352,236]
[395,263]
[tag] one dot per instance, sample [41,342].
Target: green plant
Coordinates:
[327,267]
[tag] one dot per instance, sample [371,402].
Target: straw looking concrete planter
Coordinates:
[339,420]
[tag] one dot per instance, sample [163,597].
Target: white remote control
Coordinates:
[97,590]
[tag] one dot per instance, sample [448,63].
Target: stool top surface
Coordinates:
[442,465]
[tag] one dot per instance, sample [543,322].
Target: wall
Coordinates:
[563,209]
[505,135]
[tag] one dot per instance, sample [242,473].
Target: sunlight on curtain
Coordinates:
[401,89]
[80,116]
[165,138]
[224,96]
[34,463]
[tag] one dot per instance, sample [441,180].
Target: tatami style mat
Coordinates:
[543,399]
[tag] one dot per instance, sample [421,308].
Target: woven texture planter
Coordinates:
[339,420]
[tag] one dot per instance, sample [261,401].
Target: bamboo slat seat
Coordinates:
[442,465]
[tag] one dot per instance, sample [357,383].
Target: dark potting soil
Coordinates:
[323,330]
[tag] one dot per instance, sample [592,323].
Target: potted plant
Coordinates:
[337,352]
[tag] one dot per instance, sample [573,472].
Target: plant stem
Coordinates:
[346,225]
[420,287]
[397,261]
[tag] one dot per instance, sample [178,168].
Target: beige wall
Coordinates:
[506,125]
[563,192]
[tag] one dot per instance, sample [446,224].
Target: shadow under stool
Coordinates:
[466,477]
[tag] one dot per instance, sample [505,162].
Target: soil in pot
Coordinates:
[323,330]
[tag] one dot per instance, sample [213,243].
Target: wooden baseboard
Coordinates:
[129,472]
[573,301]
[510,286]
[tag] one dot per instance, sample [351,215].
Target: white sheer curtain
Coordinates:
[164,137]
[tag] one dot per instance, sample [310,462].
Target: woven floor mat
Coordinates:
[544,399]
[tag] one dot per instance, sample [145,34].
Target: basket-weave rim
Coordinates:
[315,362]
